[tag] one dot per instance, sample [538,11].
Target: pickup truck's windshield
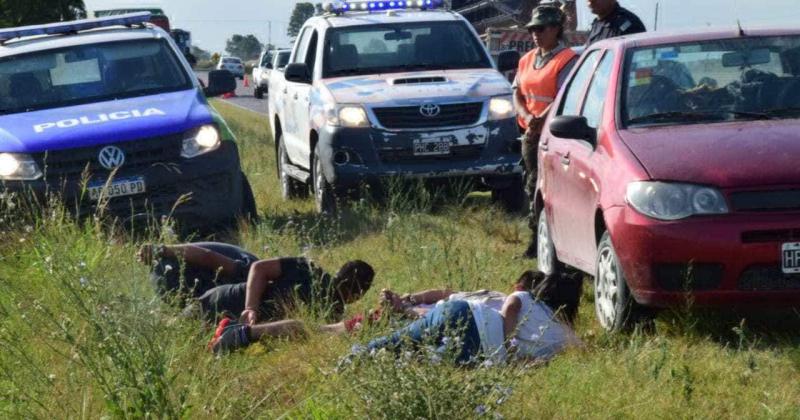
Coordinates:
[713,81]
[88,73]
[282,59]
[393,48]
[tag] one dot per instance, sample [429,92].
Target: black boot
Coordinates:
[531,252]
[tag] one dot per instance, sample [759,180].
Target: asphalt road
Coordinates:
[244,95]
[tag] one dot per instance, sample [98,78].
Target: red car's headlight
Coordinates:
[673,201]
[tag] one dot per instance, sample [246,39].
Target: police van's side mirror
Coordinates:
[507,61]
[297,73]
[219,82]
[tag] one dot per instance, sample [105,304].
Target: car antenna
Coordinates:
[741,31]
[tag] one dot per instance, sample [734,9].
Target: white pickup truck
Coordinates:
[269,62]
[371,94]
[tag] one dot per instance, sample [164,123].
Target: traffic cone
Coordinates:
[246,81]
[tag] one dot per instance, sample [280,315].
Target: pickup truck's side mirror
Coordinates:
[219,82]
[298,73]
[507,61]
[573,127]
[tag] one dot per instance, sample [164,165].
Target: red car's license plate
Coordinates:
[791,257]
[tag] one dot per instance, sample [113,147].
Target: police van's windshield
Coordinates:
[713,81]
[89,73]
[403,47]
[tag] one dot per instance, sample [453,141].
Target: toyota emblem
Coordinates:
[111,157]
[429,110]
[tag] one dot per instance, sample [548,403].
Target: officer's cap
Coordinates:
[546,15]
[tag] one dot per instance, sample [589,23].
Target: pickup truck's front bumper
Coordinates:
[488,152]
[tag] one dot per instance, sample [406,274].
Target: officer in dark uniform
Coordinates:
[612,20]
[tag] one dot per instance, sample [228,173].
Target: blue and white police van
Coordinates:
[107,111]
[393,89]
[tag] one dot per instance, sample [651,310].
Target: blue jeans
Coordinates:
[451,319]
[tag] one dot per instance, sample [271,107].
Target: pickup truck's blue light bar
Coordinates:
[74,26]
[376,5]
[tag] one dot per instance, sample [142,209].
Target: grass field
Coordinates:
[82,334]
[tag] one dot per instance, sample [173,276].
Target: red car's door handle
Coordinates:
[544,146]
[565,160]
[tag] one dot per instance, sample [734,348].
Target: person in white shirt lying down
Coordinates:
[533,323]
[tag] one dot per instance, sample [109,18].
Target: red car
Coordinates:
[669,169]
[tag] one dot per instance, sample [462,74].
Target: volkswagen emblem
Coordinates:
[111,157]
[429,110]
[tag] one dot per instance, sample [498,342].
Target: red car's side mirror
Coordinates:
[573,127]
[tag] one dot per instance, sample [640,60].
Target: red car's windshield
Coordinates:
[712,81]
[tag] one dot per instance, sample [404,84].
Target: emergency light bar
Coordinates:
[74,26]
[377,5]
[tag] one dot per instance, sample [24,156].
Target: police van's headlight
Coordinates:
[203,140]
[501,108]
[18,167]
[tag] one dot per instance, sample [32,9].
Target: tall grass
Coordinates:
[82,334]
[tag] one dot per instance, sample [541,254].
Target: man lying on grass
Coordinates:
[222,279]
[534,322]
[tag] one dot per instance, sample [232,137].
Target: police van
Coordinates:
[107,111]
[383,89]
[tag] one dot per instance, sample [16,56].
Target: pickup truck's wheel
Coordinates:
[546,258]
[323,192]
[512,198]
[258,93]
[615,307]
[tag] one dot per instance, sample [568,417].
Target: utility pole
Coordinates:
[655,24]
[270,33]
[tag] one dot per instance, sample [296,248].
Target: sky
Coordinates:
[212,22]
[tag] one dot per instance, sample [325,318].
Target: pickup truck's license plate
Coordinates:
[791,257]
[117,188]
[432,147]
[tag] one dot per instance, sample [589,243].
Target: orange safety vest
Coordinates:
[540,86]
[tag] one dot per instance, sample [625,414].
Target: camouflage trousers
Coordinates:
[530,148]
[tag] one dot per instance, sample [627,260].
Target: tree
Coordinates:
[245,47]
[200,54]
[301,13]
[34,12]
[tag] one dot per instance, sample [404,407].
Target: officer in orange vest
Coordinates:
[540,75]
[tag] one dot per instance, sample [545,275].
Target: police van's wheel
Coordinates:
[248,211]
[615,307]
[512,198]
[323,192]
[545,248]
[258,93]
[290,187]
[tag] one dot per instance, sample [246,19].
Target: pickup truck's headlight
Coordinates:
[673,201]
[501,108]
[18,167]
[203,140]
[353,116]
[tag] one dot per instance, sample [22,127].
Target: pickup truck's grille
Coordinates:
[139,154]
[451,115]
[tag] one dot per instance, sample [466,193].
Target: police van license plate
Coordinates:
[791,258]
[432,147]
[117,188]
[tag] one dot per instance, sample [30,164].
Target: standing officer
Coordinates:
[612,20]
[540,75]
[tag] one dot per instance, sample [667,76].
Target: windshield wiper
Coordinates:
[694,116]
[783,111]
[674,116]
